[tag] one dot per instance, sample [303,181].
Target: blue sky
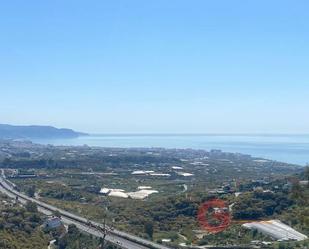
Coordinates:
[156,66]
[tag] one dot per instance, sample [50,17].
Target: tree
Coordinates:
[57,214]
[296,191]
[2,223]
[307,172]
[148,227]
[281,246]
[35,218]
[72,229]
[31,191]
[31,207]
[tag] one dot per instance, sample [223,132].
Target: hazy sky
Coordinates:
[156,66]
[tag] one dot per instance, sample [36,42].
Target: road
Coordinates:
[122,239]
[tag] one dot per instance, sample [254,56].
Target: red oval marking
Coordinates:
[219,218]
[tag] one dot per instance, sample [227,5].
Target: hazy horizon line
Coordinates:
[195,134]
[167,133]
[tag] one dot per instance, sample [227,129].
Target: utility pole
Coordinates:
[103,229]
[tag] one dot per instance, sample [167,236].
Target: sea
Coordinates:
[284,148]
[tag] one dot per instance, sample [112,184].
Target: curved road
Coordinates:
[122,239]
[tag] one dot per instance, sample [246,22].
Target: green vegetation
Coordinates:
[71,178]
[74,239]
[258,204]
[20,226]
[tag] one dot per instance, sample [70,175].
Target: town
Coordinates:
[155,193]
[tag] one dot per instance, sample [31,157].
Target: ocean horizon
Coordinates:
[289,148]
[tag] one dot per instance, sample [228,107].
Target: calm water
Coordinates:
[285,148]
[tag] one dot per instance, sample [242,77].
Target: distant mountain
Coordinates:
[36,131]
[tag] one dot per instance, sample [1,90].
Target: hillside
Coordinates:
[35,131]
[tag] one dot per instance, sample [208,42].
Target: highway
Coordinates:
[121,239]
